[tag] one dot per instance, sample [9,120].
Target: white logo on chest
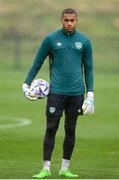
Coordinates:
[59,44]
[78,45]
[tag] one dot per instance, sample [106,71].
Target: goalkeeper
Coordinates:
[71,76]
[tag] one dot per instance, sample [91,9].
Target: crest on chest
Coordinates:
[78,45]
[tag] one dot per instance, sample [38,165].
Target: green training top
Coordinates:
[70,61]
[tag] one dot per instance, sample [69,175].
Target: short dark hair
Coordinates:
[69,11]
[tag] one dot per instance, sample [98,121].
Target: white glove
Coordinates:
[27,92]
[88,104]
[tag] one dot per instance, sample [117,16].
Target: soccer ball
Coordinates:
[39,88]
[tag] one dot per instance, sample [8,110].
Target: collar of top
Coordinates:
[68,33]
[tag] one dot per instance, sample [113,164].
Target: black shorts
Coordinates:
[57,103]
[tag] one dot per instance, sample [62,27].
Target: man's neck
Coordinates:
[68,32]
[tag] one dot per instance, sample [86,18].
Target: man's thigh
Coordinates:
[74,105]
[55,104]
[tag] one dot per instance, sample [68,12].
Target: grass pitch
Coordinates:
[96,153]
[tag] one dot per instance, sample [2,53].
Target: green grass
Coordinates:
[96,153]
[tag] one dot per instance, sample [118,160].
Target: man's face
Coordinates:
[69,22]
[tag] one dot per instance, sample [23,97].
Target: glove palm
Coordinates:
[88,104]
[27,92]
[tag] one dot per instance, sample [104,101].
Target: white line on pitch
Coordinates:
[14,122]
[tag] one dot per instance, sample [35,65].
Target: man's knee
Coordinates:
[52,125]
[70,131]
[70,122]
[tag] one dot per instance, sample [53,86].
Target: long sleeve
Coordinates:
[88,66]
[41,55]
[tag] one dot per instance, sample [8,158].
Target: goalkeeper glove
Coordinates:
[88,104]
[27,92]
